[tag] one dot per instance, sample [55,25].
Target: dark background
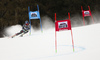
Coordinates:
[14,12]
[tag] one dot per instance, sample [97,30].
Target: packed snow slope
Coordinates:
[41,46]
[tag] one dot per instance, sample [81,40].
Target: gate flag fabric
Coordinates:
[34,15]
[86,13]
[63,25]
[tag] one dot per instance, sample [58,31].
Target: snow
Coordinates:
[41,46]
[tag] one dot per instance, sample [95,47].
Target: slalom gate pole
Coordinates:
[71,34]
[69,15]
[29,20]
[81,8]
[92,19]
[91,14]
[83,21]
[72,40]
[41,26]
[82,14]
[30,27]
[55,36]
[89,7]
[55,42]
[40,19]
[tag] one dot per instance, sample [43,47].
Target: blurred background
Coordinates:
[13,12]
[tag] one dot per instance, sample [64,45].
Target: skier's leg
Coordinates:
[24,33]
[17,33]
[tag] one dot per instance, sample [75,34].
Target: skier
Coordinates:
[24,30]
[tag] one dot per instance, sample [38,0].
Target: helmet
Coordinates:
[26,22]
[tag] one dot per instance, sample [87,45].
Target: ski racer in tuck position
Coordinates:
[25,29]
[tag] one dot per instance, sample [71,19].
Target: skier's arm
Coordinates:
[23,26]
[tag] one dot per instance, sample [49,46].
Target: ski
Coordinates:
[13,36]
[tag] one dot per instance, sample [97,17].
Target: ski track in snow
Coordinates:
[80,49]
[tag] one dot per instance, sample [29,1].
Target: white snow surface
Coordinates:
[41,46]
